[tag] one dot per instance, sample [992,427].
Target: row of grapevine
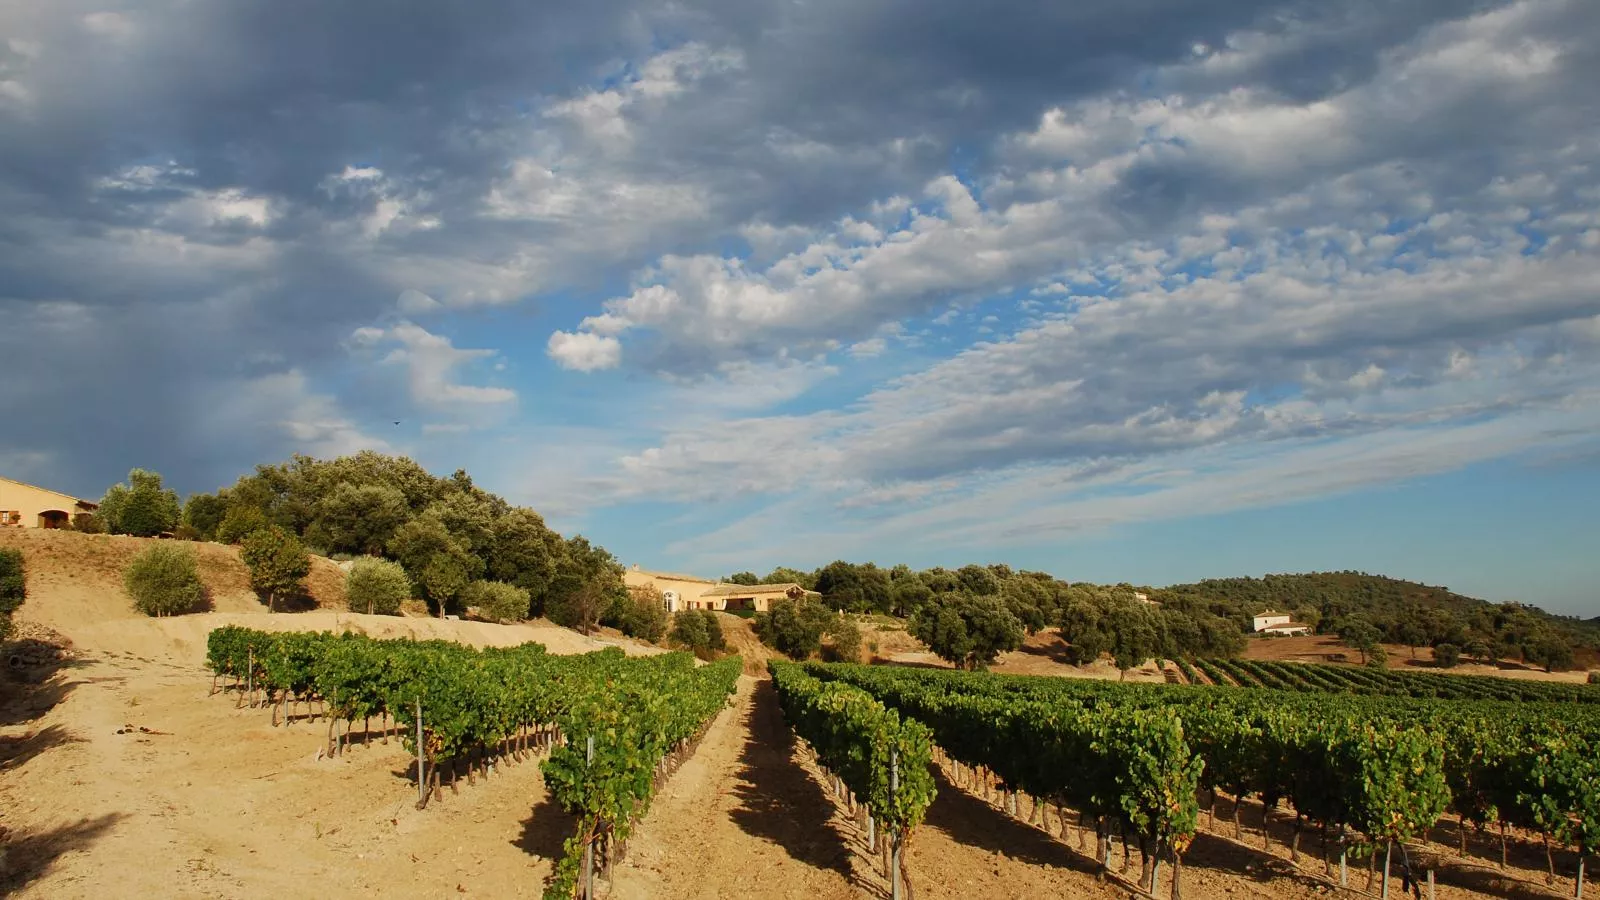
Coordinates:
[623,737]
[1128,768]
[615,726]
[1384,682]
[880,759]
[1385,768]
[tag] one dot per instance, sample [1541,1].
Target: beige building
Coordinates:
[682,592]
[26,506]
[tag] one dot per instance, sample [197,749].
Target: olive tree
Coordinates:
[278,563]
[378,586]
[497,600]
[164,580]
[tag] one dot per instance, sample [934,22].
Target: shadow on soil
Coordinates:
[26,856]
[545,831]
[28,693]
[1057,651]
[16,751]
[778,801]
[972,821]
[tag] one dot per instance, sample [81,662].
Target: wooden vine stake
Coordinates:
[898,833]
[588,846]
[422,780]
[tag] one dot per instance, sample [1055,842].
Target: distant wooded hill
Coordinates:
[1403,612]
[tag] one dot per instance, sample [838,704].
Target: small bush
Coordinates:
[641,614]
[1594,677]
[698,631]
[1447,656]
[164,580]
[845,640]
[377,586]
[497,600]
[187,532]
[13,588]
[1377,657]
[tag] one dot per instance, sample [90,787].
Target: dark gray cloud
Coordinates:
[188,235]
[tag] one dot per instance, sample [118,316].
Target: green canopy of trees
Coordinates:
[142,507]
[446,533]
[1212,618]
[278,564]
[969,630]
[13,587]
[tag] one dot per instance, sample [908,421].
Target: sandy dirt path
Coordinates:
[741,818]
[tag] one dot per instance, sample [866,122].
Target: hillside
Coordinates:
[75,588]
[1400,609]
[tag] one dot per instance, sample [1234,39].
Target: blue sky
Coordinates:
[1142,291]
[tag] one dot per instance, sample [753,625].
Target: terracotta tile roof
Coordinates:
[743,590]
[669,576]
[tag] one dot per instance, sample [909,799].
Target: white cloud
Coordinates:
[868,348]
[431,363]
[583,351]
[283,408]
[412,302]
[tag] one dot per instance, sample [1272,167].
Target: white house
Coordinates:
[1274,622]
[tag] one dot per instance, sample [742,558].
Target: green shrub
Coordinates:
[1594,677]
[278,563]
[377,586]
[641,613]
[164,580]
[845,640]
[794,627]
[240,523]
[1447,656]
[497,600]
[13,588]
[698,631]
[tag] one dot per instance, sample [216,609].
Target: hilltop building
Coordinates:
[1274,622]
[689,592]
[27,506]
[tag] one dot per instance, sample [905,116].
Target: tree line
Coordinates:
[971,614]
[458,544]
[1365,610]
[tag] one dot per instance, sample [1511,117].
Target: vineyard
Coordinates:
[1295,676]
[1366,773]
[878,762]
[614,727]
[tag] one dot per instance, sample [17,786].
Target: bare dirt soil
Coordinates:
[1045,653]
[1322,648]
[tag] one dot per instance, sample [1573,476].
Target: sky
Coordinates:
[1143,291]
